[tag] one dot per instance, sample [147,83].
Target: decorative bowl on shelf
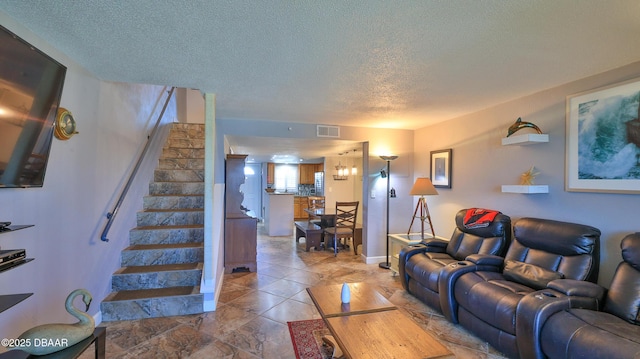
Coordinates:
[270,190]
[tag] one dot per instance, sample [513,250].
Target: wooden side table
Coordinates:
[399,241]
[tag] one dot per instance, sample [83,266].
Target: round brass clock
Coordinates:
[65,125]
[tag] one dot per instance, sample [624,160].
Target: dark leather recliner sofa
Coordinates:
[420,265]
[608,329]
[483,292]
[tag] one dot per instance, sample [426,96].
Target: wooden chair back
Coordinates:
[315,202]
[346,213]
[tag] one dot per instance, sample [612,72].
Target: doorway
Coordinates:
[251,189]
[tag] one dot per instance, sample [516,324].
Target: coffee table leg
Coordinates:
[330,341]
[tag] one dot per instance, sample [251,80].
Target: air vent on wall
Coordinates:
[328,131]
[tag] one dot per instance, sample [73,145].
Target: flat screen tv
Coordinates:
[30,88]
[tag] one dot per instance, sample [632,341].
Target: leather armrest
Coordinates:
[486,260]
[405,254]
[535,308]
[450,273]
[572,287]
[435,245]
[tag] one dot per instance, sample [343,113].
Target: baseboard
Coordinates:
[373,260]
[97,318]
[211,295]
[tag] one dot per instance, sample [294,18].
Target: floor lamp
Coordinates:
[387,264]
[422,187]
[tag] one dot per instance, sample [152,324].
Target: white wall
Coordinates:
[190,105]
[481,165]
[84,177]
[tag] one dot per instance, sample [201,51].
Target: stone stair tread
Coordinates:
[181,182]
[162,267]
[162,228]
[176,195]
[164,246]
[159,268]
[173,210]
[151,293]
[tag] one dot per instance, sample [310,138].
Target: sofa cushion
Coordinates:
[582,333]
[562,238]
[492,239]
[608,323]
[569,248]
[425,268]
[529,274]
[487,296]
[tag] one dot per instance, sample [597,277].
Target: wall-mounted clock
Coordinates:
[65,125]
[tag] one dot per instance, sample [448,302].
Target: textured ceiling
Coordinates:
[395,64]
[389,64]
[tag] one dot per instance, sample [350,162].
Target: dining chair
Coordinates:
[315,202]
[344,224]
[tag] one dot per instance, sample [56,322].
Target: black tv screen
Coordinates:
[30,88]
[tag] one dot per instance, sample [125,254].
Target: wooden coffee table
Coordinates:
[364,299]
[371,327]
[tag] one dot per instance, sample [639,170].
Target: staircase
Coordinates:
[162,267]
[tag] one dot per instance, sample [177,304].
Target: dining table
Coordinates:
[328,218]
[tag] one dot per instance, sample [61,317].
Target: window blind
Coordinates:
[286,178]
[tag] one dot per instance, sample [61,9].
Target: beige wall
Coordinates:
[190,104]
[481,165]
[381,142]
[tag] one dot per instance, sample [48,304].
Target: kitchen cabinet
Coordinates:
[319,167]
[307,173]
[299,205]
[271,172]
[296,208]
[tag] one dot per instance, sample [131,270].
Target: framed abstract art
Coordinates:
[603,139]
[441,168]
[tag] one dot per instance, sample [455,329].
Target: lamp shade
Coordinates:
[423,187]
[389,157]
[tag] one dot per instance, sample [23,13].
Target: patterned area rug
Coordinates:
[306,336]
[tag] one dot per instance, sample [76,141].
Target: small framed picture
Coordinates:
[441,168]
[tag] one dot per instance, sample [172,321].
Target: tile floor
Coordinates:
[251,318]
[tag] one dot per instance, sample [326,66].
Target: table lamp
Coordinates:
[422,187]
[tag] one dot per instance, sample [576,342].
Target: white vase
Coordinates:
[345,295]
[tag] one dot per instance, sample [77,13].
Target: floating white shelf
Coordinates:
[527,139]
[525,189]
